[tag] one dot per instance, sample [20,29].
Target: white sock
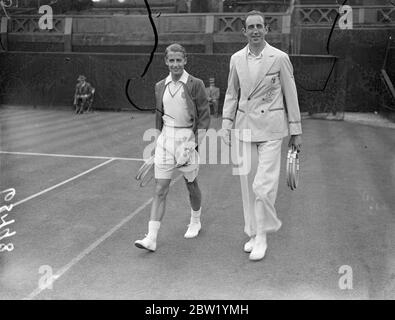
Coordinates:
[153,228]
[195,215]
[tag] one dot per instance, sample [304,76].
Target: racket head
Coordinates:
[146,172]
[288,168]
[293,167]
[295,170]
[146,179]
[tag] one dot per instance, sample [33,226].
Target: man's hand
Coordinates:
[183,153]
[295,142]
[225,136]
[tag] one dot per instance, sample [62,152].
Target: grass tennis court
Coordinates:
[78,210]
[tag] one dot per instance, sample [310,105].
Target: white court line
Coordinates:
[69,156]
[61,183]
[95,244]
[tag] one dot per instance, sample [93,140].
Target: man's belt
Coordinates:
[292,169]
[146,172]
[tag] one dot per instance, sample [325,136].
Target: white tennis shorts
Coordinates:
[168,141]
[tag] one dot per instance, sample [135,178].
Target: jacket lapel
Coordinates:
[268,60]
[161,92]
[244,77]
[189,86]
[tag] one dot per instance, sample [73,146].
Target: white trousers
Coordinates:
[259,186]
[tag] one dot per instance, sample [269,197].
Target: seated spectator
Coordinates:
[213,96]
[83,96]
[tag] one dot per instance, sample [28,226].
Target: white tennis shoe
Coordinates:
[259,250]
[249,245]
[146,243]
[193,230]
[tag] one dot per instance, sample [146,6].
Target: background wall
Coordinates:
[97,41]
[49,78]
[363,52]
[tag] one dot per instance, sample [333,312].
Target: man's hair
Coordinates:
[253,13]
[175,47]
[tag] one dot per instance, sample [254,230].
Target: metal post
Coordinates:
[68,29]
[220,6]
[3,34]
[189,4]
[209,45]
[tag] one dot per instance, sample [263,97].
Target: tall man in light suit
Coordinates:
[264,76]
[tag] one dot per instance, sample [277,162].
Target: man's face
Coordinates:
[176,63]
[255,30]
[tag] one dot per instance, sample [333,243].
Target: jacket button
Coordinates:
[249,99]
[263,111]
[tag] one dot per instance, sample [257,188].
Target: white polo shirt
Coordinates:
[175,108]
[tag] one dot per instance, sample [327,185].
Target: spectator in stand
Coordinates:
[213,96]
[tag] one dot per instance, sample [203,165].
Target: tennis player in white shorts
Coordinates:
[182,111]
